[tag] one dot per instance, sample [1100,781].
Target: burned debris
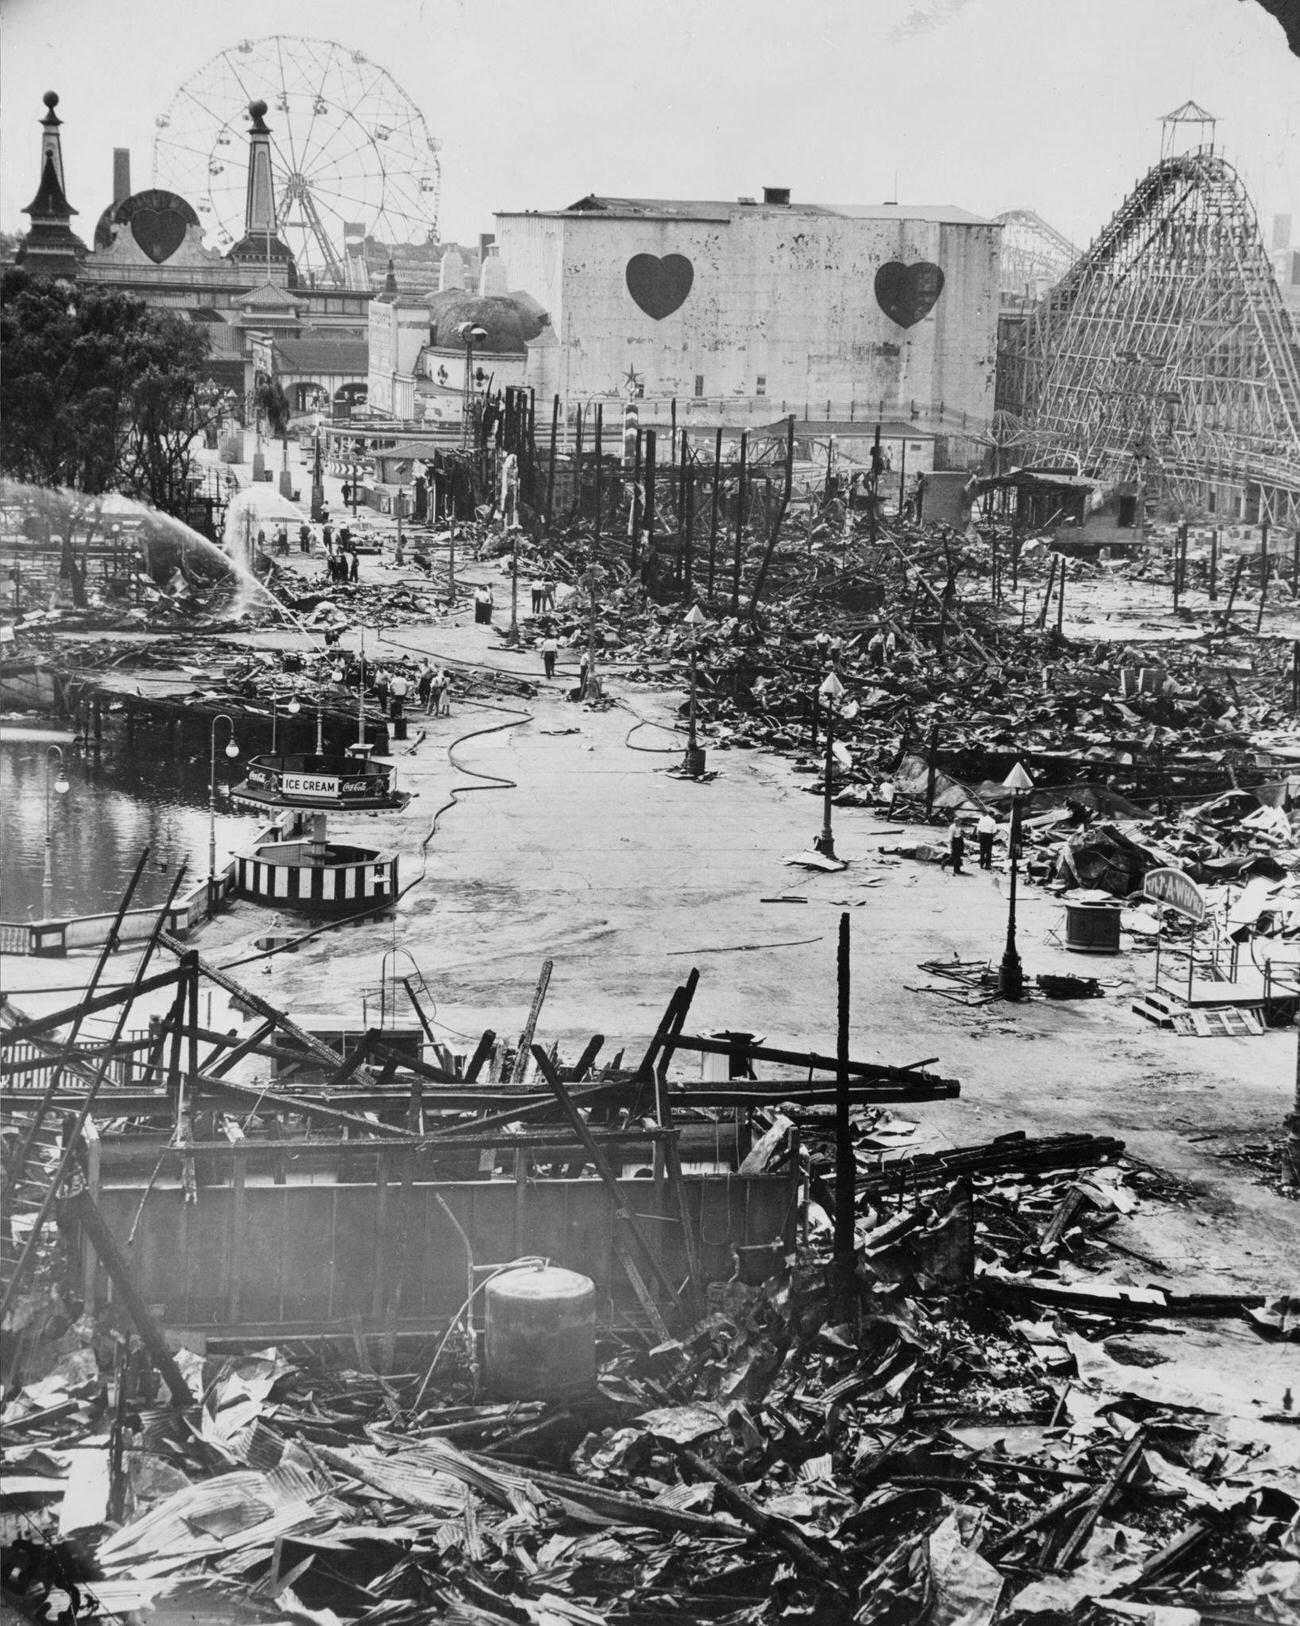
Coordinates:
[839,1379]
[375,1330]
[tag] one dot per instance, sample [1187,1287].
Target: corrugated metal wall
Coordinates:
[298,1254]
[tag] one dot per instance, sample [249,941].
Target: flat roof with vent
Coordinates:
[602,207]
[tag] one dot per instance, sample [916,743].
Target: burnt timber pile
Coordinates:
[392,1124]
[823,1386]
[827,1384]
[776,1427]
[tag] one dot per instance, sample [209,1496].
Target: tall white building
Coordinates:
[749,310]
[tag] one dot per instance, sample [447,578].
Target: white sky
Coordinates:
[989,104]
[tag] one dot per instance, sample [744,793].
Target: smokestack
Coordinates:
[121,174]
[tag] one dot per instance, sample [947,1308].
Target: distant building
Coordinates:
[750,310]
[1286,266]
[421,345]
[250,300]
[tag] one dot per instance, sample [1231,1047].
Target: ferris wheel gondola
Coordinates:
[351,154]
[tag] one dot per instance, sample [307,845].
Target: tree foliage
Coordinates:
[100,393]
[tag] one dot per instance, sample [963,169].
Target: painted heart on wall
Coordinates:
[906,293]
[159,232]
[659,286]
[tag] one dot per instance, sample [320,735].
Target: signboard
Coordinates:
[1177,891]
[307,784]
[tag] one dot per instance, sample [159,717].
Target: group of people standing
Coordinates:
[542,589]
[342,562]
[986,829]
[433,690]
[427,686]
[882,646]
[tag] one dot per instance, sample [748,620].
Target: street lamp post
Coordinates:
[232,751]
[470,336]
[293,708]
[830,693]
[317,478]
[61,788]
[694,763]
[336,675]
[1011,975]
[361,688]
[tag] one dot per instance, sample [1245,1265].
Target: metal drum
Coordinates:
[1092,928]
[541,1333]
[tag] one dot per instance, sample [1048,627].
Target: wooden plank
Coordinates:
[102,1239]
[811,1060]
[307,1108]
[606,1174]
[534,1012]
[481,1053]
[125,993]
[671,1150]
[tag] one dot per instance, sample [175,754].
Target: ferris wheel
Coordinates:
[351,154]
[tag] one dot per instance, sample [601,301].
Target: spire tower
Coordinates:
[51,248]
[261,245]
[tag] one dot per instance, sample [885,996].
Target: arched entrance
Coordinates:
[347,398]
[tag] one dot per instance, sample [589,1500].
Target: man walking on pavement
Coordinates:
[550,648]
[985,831]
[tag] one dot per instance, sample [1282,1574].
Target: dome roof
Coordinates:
[158,221]
[508,320]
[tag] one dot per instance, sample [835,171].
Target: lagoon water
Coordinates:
[119,801]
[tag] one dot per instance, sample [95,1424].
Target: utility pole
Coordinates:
[845,1163]
[590,581]
[741,504]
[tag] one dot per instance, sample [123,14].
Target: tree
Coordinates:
[172,402]
[99,393]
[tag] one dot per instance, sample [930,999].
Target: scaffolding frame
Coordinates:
[1166,356]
